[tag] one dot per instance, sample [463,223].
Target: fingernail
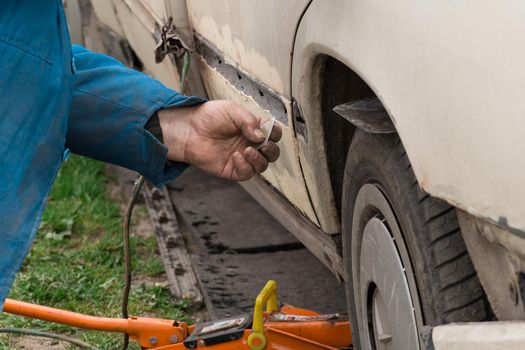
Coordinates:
[251,151]
[259,133]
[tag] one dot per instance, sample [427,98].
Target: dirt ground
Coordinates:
[30,342]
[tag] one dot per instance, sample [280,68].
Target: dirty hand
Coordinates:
[218,137]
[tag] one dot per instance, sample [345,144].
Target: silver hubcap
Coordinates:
[385,307]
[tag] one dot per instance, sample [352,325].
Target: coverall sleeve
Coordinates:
[111,104]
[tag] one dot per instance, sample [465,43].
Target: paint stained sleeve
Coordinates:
[110,107]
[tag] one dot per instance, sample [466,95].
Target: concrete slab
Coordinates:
[242,247]
[233,281]
[224,216]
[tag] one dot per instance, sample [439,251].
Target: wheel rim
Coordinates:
[386,300]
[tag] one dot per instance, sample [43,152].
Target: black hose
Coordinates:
[127,219]
[127,254]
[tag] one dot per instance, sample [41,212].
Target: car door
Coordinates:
[244,49]
[138,21]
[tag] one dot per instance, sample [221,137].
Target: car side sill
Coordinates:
[318,242]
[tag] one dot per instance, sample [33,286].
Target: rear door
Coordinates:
[245,50]
[139,22]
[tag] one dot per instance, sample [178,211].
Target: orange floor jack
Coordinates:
[285,328]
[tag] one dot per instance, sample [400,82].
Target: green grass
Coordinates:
[76,262]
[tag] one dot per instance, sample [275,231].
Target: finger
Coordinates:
[256,159]
[276,133]
[242,170]
[248,123]
[271,151]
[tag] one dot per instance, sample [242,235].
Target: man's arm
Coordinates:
[112,103]
[218,137]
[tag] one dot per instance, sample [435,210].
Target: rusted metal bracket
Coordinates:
[169,43]
[298,121]
[499,259]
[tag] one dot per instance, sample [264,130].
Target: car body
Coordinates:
[449,75]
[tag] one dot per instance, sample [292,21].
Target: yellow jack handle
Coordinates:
[268,297]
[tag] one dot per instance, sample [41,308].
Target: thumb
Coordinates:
[248,123]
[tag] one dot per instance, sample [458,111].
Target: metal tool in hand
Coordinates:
[266,128]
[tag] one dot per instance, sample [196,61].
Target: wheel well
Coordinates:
[339,84]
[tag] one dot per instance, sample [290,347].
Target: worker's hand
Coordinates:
[218,137]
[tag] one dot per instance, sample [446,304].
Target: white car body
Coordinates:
[451,75]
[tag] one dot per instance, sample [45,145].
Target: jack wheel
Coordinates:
[256,341]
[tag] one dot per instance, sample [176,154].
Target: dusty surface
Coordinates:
[224,216]
[233,281]
[237,246]
[31,343]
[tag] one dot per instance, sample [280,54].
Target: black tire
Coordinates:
[448,289]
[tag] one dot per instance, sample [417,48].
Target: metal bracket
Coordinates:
[298,121]
[169,42]
[368,115]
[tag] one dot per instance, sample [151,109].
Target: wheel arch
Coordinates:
[327,80]
[431,80]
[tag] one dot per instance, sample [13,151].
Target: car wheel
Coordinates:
[405,260]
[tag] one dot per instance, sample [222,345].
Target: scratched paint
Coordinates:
[256,35]
[285,174]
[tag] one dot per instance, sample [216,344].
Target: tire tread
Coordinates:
[458,293]
[450,290]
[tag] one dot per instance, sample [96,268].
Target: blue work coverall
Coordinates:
[55,97]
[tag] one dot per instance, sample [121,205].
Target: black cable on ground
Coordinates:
[127,219]
[127,254]
[42,334]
